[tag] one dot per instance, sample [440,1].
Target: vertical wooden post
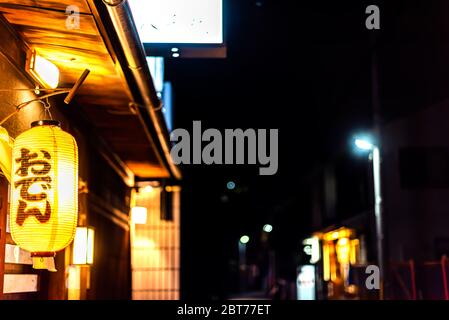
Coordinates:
[3,211]
[413,279]
[444,271]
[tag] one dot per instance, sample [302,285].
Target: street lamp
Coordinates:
[244,239]
[242,261]
[268,228]
[242,250]
[367,145]
[364,144]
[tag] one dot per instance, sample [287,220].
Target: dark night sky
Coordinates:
[300,66]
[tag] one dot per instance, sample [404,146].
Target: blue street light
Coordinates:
[364,144]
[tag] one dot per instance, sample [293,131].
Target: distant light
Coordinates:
[174,49]
[146,189]
[176,55]
[268,228]
[83,246]
[244,239]
[312,248]
[363,144]
[156,65]
[230,185]
[139,215]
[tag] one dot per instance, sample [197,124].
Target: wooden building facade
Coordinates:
[118,126]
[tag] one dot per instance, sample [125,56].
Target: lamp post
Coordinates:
[242,251]
[367,145]
[242,261]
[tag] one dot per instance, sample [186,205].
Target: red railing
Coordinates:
[424,281]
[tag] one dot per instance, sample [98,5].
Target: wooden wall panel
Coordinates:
[46,4]
[26,17]
[3,208]
[156,250]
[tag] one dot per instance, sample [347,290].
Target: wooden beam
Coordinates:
[47,4]
[3,212]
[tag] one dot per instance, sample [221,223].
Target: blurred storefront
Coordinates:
[121,131]
[339,258]
[156,243]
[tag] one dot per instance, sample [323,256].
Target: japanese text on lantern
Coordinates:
[34,170]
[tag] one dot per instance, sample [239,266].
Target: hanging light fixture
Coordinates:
[44,191]
[42,70]
[83,246]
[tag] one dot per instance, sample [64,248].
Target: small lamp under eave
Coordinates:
[42,70]
[83,246]
[139,215]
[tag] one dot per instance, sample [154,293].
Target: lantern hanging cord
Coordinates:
[47,107]
[27,103]
[70,94]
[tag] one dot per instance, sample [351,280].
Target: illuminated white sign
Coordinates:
[179,21]
[312,248]
[306,283]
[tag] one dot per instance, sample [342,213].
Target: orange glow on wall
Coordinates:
[139,215]
[155,254]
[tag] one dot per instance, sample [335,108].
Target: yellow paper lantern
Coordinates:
[6,144]
[44,189]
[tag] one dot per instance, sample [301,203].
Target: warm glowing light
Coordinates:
[146,189]
[343,250]
[354,253]
[139,215]
[44,71]
[363,144]
[83,246]
[333,263]
[351,289]
[44,189]
[326,262]
[6,145]
[244,239]
[337,234]
[268,228]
